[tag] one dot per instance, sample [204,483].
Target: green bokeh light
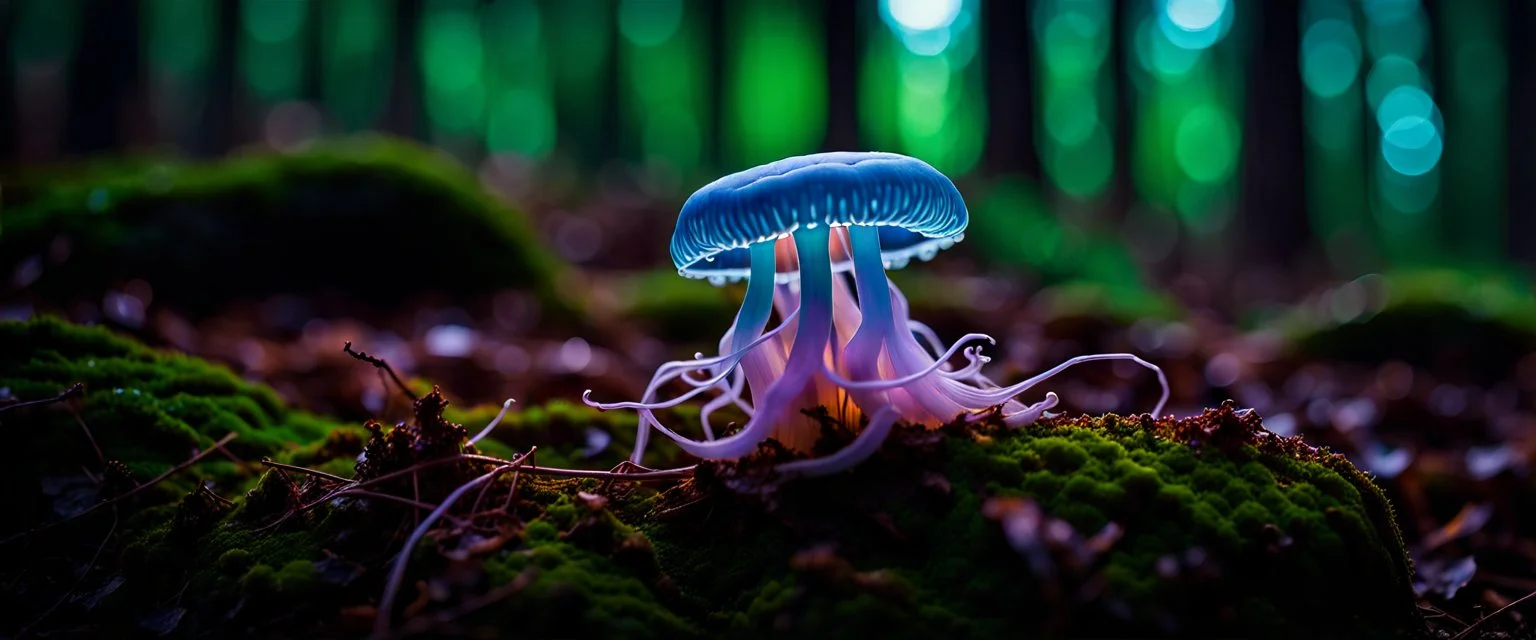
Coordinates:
[178,38]
[1330,57]
[1396,27]
[520,113]
[453,64]
[272,51]
[1411,145]
[1071,113]
[1390,73]
[357,60]
[1075,39]
[776,103]
[521,120]
[271,22]
[1206,144]
[648,23]
[665,73]
[1082,170]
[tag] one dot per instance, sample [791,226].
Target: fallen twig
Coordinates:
[397,574]
[88,435]
[1474,625]
[130,493]
[486,489]
[304,470]
[382,365]
[75,389]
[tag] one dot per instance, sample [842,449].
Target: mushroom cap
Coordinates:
[917,209]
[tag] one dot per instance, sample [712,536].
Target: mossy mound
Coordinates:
[571,434]
[1107,527]
[222,549]
[1448,320]
[145,409]
[1099,527]
[374,217]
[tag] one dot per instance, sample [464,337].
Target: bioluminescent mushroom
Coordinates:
[793,229]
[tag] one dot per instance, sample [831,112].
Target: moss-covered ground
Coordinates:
[1461,323]
[1083,526]
[375,217]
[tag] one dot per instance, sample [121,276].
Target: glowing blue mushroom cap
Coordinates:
[918,210]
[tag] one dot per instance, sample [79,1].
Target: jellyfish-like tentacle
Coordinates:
[1032,412]
[812,333]
[878,384]
[923,396]
[675,369]
[863,446]
[990,397]
[747,333]
[731,394]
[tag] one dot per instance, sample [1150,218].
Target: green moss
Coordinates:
[146,408]
[677,309]
[559,428]
[1297,539]
[374,217]
[1120,303]
[1451,320]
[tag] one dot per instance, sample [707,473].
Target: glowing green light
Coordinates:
[1074,43]
[647,23]
[1195,24]
[1388,74]
[1330,57]
[271,22]
[451,50]
[520,114]
[356,59]
[1411,146]
[1398,27]
[1407,101]
[521,120]
[1405,194]
[665,84]
[922,15]
[1207,143]
[1160,56]
[453,64]
[1071,113]
[179,37]
[776,104]
[272,52]
[1082,170]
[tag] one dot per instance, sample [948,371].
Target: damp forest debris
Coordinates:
[1107,525]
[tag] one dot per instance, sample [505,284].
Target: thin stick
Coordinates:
[132,492]
[381,364]
[487,488]
[75,389]
[304,470]
[88,436]
[397,574]
[363,493]
[1491,616]
[664,474]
